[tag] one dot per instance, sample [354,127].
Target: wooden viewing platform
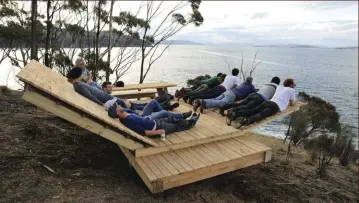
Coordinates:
[209,149]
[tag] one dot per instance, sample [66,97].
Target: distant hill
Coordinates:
[180,42]
[288,45]
[346,47]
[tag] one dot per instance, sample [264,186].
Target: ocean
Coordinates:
[331,74]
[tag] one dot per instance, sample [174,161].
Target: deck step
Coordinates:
[175,168]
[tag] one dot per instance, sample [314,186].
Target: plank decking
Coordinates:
[208,149]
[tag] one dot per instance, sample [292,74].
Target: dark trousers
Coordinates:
[212,93]
[171,124]
[264,110]
[250,102]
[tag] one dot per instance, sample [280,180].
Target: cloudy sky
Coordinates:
[326,23]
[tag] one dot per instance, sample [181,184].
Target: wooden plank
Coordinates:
[180,161]
[145,86]
[221,156]
[214,170]
[184,157]
[197,149]
[240,148]
[73,98]
[199,156]
[174,162]
[135,95]
[159,165]
[213,154]
[147,178]
[167,164]
[194,158]
[152,166]
[77,119]
[231,154]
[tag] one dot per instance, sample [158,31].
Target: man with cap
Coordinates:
[229,96]
[255,99]
[148,126]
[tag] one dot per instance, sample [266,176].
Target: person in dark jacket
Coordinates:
[229,96]
[255,99]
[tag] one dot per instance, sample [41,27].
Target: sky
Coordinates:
[323,23]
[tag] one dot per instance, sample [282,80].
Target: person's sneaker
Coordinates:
[243,122]
[203,105]
[190,101]
[221,110]
[173,106]
[230,117]
[193,115]
[229,111]
[177,93]
[186,114]
[196,104]
[194,120]
[185,99]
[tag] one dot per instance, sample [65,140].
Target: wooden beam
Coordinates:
[86,123]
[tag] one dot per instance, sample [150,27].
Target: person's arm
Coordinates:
[154,132]
[292,99]
[84,92]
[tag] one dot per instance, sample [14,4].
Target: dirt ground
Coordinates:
[88,168]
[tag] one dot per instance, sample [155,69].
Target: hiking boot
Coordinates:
[230,117]
[173,106]
[229,111]
[243,122]
[196,104]
[186,114]
[221,110]
[203,105]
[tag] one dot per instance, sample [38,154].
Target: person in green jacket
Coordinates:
[201,86]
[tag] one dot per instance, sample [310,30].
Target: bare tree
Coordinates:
[244,71]
[164,30]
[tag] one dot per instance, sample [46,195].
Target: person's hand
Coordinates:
[140,113]
[161,131]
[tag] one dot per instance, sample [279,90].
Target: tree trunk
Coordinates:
[97,41]
[143,49]
[33,29]
[48,35]
[87,26]
[109,44]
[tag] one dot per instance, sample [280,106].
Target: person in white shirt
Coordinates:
[284,96]
[229,82]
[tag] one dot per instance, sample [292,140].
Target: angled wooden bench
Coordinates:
[159,86]
[209,149]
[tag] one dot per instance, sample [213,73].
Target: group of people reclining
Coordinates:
[255,104]
[154,118]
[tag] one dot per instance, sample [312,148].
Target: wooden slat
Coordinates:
[180,161]
[159,165]
[188,160]
[167,164]
[152,166]
[145,86]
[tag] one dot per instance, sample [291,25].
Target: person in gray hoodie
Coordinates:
[254,99]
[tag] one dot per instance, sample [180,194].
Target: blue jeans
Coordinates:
[135,106]
[152,106]
[222,99]
[164,114]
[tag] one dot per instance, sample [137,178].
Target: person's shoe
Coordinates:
[230,117]
[185,99]
[190,101]
[196,104]
[177,93]
[193,115]
[221,110]
[186,114]
[173,106]
[243,122]
[203,105]
[194,120]
[229,111]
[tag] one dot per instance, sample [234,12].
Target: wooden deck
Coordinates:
[175,168]
[208,149]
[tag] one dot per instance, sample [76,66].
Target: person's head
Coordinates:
[116,111]
[275,80]
[119,84]
[107,87]
[289,83]
[80,63]
[235,71]
[219,74]
[221,78]
[249,79]
[74,75]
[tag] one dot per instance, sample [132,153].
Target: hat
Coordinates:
[109,103]
[112,111]
[74,73]
[249,79]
